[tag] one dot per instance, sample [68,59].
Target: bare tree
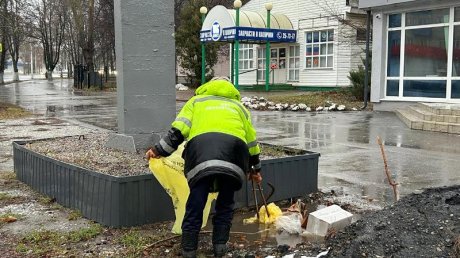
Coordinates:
[70,45]
[350,26]
[105,33]
[15,31]
[50,16]
[83,16]
[3,35]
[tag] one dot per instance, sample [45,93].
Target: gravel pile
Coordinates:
[419,225]
[90,152]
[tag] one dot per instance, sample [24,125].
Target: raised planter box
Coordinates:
[136,200]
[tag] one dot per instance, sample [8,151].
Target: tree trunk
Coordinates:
[69,70]
[1,78]
[49,75]
[88,54]
[15,71]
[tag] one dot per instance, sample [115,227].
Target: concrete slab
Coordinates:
[121,142]
[332,217]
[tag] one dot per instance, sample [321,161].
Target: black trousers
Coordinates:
[197,200]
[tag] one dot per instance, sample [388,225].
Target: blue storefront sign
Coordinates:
[247,34]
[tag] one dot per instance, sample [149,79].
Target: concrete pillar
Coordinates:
[145,48]
[378,57]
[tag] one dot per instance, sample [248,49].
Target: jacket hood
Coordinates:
[220,88]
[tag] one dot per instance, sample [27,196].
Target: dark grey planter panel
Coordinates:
[136,200]
[109,200]
[292,177]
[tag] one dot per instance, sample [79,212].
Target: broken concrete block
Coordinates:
[320,221]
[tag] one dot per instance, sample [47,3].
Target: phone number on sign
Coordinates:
[285,35]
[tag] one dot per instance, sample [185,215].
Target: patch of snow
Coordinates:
[181,87]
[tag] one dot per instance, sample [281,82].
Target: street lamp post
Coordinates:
[269,7]
[232,62]
[203,11]
[237,4]
[31,61]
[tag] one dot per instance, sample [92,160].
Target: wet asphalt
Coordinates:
[350,156]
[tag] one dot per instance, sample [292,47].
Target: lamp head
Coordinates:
[269,6]
[237,4]
[203,10]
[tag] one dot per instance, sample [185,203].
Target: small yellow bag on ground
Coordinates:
[169,172]
[273,210]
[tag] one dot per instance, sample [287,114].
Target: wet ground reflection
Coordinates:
[347,141]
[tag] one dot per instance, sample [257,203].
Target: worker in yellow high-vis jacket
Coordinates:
[221,149]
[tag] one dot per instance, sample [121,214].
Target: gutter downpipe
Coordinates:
[366,75]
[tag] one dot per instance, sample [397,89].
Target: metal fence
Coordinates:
[136,200]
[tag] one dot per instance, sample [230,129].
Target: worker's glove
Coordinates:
[255,176]
[151,154]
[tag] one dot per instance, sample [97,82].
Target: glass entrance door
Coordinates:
[278,66]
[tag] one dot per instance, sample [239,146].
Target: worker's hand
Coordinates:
[256,177]
[150,154]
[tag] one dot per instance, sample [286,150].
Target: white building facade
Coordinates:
[330,42]
[416,51]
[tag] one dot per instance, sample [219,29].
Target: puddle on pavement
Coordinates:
[257,236]
[402,145]
[253,237]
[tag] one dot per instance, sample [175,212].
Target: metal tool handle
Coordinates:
[255,199]
[263,198]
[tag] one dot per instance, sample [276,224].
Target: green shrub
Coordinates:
[356,78]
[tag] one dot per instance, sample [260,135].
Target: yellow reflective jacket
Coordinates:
[219,133]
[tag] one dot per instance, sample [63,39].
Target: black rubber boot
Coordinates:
[189,244]
[220,236]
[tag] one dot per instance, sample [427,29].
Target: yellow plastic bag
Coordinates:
[273,210]
[170,173]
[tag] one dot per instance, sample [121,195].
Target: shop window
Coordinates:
[456,52]
[424,57]
[455,90]
[319,49]
[394,20]
[457,14]
[393,88]
[427,46]
[427,17]
[394,51]
[246,56]
[294,63]
[425,88]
